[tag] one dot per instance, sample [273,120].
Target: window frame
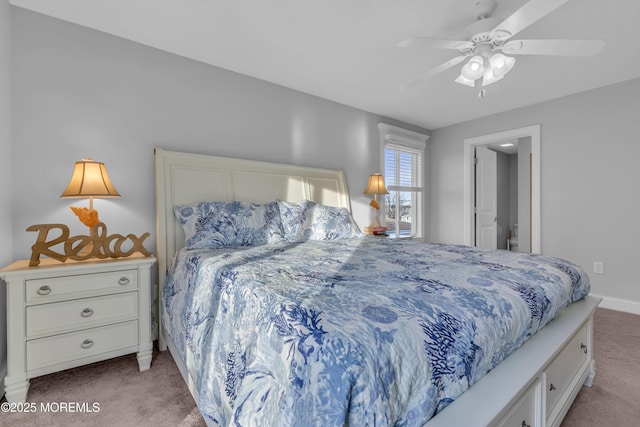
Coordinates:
[412,141]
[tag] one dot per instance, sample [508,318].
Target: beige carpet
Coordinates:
[126,397]
[159,398]
[614,399]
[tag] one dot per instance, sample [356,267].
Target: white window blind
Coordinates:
[403,167]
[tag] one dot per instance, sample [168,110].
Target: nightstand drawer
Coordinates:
[67,316]
[69,287]
[63,348]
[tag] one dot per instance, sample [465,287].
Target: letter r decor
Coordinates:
[80,248]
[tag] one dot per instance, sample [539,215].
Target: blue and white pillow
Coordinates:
[216,224]
[312,221]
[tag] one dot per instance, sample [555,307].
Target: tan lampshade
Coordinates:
[90,179]
[376,185]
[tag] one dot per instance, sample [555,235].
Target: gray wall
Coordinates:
[589,180]
[81,93]
[5,170]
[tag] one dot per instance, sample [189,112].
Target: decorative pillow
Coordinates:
[312,221]
[214,224]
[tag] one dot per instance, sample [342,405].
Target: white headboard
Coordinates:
[187,178]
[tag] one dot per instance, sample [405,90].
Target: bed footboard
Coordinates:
[537,382]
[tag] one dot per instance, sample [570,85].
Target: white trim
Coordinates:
[619,304]
[470,143]
[402,136]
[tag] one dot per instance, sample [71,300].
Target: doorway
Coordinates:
[470,145]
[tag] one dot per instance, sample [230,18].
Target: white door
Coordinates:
[486,198]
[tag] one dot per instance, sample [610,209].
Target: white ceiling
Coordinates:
[346,50]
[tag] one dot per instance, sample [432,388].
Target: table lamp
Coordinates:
[375,186]
[89,179]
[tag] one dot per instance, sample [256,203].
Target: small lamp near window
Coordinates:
[89,179]
[375,186]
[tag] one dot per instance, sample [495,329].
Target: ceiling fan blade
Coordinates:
[432,72]
[553,47]
[435,43]
[527,15]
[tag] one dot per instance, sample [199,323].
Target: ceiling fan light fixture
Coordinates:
[501,64]
[465,81]
[488,41]
[489,77]
[474,69]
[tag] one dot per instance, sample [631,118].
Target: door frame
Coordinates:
[532,131]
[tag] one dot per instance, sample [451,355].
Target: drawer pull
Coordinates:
[524,424]
[87,343]
[44,290]
[583,347]
[87,312]
[123,281]
[552,387]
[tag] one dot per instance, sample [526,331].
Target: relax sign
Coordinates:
[82,247]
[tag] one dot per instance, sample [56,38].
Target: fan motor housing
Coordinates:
[483,8]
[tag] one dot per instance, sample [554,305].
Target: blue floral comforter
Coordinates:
[362,331]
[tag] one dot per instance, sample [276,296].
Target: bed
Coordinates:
[358,330]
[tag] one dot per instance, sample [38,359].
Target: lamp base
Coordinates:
[88,217]
[375,228]
[375,231]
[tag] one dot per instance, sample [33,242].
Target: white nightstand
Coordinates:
[62,315]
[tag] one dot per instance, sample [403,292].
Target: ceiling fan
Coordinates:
[490,44]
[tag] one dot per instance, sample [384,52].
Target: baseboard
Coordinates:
[619,304]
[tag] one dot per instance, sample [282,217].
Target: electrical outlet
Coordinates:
[598,267]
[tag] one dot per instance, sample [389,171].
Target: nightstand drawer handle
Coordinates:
[44,290]
[87,312]
[123,281]
[87,343]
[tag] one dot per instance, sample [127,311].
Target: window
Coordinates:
[403,169]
